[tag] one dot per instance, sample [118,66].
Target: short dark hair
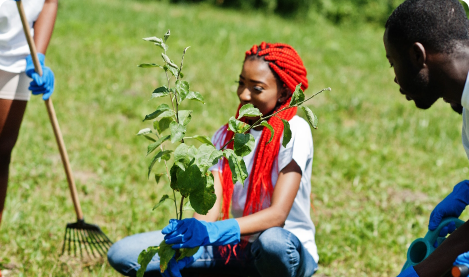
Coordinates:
[437,24]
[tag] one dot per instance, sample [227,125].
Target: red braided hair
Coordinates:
[288,67]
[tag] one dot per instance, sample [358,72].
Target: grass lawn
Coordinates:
[380,164]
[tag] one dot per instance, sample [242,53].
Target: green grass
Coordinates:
[380,164]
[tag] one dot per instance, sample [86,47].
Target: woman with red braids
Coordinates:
[271,233]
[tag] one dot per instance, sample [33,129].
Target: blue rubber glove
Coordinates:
[190,233]
[462,259]
[40,84]
[452,206]
[448,229]
[409,272]
[174,267]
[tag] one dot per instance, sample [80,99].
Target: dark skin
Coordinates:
[259,86]
[424,76]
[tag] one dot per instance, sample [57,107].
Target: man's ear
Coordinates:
[285,93]
[418,55]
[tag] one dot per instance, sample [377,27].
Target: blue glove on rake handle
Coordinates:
[190,233]
[461,265]
[452,206]
[174,267]
[40,84]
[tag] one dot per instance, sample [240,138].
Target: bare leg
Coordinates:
[441,260]
[11,115]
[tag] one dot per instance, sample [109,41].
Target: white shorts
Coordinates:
[14,86]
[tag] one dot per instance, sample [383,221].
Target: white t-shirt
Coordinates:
[300,149]
[465,117]
[13,45]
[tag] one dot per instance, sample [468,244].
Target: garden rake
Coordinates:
[80,237]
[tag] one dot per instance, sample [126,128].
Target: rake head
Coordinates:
[85,238]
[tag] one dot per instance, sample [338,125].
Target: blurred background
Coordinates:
[380,164]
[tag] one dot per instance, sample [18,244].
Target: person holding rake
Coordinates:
[427,44]
[16,69]
[272,233]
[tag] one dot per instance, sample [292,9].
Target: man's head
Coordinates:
[421,36]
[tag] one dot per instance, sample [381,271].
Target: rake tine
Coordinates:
[94,242]
[97,243]
[91,243]
[105,239]
[69,241]
[65,240]
[75,237]
[79,246]
[87,236]
[85,242]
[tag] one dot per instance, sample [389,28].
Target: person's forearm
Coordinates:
[44,25]
[285,191]
[261,221]
[441,260]
[211,216]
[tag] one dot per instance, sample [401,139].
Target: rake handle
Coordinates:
[52,116]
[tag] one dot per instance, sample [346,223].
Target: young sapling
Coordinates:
[189,176]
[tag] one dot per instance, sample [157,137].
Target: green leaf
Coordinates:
[145,258]
[185,116]
[173,172]
[165,58]
[182,88]
[148,65]
[202,200]
[177,131]
[159,92]
[166,36]
[193,95]
[162,45]
[163,198]
[187,252]
[243,144]
[203,139]
[182,156]
[145,131]
[239,172]
[163,124]
[165,252]
[237,126]
[153,39]
[311,117]
[286,133]
[173,70]
[149,138]
[166,114]
[158,177]
[206,156]
[268,126]
[169,62]
[298,96]
[161,108]
[248,110]
[165,155]
[190,180]
[154,145]
[169,113]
